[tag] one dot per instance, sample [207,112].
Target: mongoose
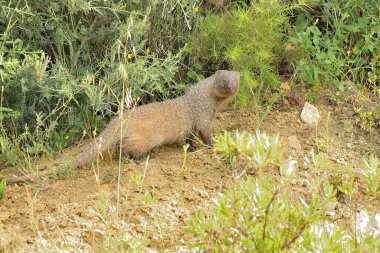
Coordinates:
[155,124]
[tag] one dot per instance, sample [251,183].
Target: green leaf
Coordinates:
[3,185]
[5,109]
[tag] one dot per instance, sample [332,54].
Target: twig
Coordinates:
[287,244]
[143,178]
[267,211]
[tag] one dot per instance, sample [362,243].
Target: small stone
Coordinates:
[310,114]
[330,208]
[294,142]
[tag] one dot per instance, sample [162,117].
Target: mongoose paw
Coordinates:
[192,148]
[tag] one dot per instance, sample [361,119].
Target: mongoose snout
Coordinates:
[229,86]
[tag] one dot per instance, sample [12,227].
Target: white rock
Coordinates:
[362,221]
[294,142]
[331,208]
[310,114]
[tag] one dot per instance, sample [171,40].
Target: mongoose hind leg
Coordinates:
[136,149]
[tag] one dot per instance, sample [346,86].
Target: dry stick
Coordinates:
[182,169]
[119,167]
[124,77]
[267,211]
[287,244]
[143,178]
[327,131]
[303,227]
[356,200]
[22,179]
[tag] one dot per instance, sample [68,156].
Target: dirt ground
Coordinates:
[81,214]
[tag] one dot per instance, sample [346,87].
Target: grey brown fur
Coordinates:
[155,124]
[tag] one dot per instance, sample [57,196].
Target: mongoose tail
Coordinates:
[105,143]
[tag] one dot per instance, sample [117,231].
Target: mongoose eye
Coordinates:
[224,84]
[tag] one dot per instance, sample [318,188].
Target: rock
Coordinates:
[294,142]
[310,114]
[330,208]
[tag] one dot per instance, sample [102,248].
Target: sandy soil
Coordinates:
[80,213]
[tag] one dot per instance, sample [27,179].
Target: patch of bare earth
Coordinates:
[79,214]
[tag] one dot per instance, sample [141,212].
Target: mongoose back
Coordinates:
[142,128]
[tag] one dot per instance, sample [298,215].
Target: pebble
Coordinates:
[310,114]
[294,142]
[331,206]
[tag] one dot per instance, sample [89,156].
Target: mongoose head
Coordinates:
[226,83]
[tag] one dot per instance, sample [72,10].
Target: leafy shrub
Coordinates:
[248,38]
[63,61]
[338,40]
[90,79]
[262,215]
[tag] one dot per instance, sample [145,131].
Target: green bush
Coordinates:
[337,41]
[247,38]
[65,66]
[262,216]
[77,60]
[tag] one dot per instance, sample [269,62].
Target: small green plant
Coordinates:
[65,170]
[347,186]
[371,173]
[249,151]
[322,145]
[148,198]
[312,97]
[326,237]
[318,162]
[3,186]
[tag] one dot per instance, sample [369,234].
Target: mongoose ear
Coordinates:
[219,75]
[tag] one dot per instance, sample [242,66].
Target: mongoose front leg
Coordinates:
[205,134]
